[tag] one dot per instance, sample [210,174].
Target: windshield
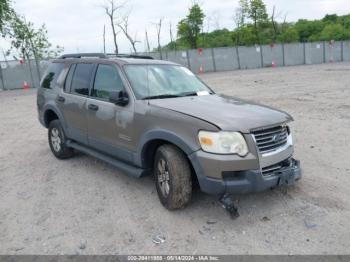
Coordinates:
[164,81]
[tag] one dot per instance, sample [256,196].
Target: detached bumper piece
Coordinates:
[228,203]
[289,174]
[286,174]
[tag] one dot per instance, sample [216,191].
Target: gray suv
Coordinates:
[146,116]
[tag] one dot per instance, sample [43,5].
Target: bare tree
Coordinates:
[172,42]
[207,26]
[275,16]
[147,43]
[284,24]
[159,29]
[274,22]
[215,17]
[111,8]
[104,39]
[124,26]
[241,13]
[237,17]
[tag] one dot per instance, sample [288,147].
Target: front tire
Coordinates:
[173,177]
[57,141]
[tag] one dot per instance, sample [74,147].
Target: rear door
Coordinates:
[109,125]
[73,99]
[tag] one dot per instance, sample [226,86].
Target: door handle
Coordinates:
[93,107]
[61,99]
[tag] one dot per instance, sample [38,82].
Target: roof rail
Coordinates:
[82,55]
[101,55]
[130,56]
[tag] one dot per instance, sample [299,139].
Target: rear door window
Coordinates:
[51,75]
[81,79]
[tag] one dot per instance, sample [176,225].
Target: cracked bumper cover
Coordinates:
[237,181]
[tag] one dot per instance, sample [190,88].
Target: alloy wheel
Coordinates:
[55,139]
[163,177]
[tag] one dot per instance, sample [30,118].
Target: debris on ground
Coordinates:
[309,225]
[158,239]
[211,222]
[82,245]
[16,249]
[265,219]
[228,203]
[206,229]
[283,189]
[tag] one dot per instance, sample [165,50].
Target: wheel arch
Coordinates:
[51,113]
[49,116]
[151,140]
[150,146]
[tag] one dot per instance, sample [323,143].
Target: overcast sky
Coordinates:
[78,25]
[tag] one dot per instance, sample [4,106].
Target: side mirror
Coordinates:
[119,98]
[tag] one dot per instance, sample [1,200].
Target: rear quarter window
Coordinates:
[51,75]
[68,81]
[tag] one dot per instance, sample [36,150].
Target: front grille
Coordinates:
[269,139]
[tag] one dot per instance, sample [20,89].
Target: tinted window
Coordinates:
[68,82]
[51,75]
[81,79]
[107,80]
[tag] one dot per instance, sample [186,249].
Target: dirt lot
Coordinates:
[84,206]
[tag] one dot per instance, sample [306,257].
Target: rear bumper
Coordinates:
[247,181]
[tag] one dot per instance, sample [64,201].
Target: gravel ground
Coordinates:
[84,206]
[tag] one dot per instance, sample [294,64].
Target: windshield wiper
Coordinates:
[160,96]
[191,93]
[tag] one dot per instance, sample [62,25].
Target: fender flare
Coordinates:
[161,134]
[57,112]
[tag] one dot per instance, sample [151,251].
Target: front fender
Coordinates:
[188,147]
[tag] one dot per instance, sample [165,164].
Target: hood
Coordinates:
[227,113]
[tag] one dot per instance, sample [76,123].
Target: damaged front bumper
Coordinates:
[248,181]
[256,181]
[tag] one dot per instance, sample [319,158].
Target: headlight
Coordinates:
[223,142]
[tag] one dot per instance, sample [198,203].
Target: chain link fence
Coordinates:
[18,74]
[14,74]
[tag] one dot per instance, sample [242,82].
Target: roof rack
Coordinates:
[101,55]
[130,56]
[82,55]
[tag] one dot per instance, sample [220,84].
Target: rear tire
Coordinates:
[57,141]
[172,173]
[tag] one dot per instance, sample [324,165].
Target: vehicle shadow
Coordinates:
[263,204]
